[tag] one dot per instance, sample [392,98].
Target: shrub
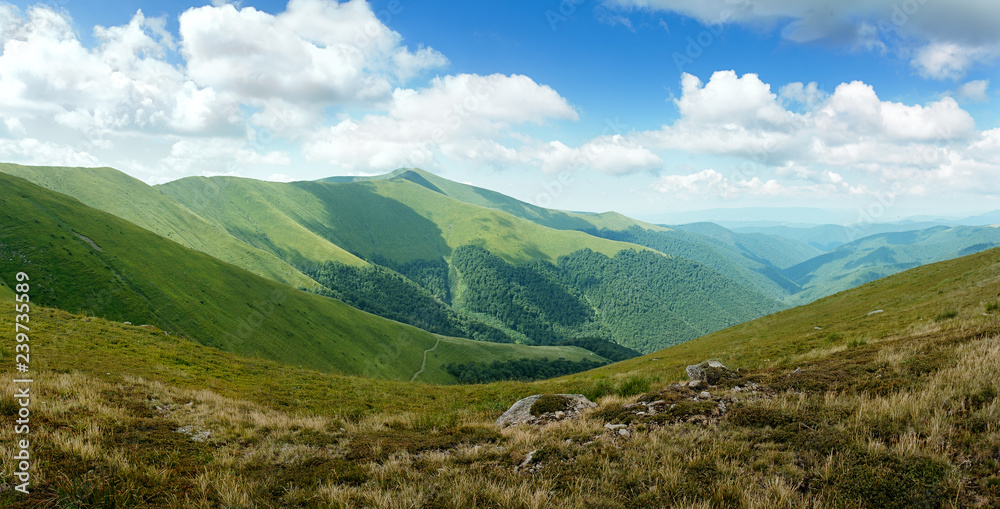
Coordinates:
[992,306]
[549,403]
[895,481]
[758,417]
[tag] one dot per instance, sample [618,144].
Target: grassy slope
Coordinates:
[6,293]
[282,436]
[883,254]
[140,277]
[399,220]
[557,219]
[909,302]
[130,199]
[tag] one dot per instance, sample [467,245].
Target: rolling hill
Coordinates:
[121,195]
[87,261]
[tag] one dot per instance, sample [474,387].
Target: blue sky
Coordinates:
[648,107]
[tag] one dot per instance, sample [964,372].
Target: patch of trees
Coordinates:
[529,298]
[387,293]
[649,301]
[518,369]
[431,275]
[610,351]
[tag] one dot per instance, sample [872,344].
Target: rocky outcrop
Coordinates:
[570,407]
[709,372]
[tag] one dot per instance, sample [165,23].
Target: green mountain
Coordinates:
[407,222]
[87,261]
[880,255]
[119,194]
[395,219]
[830,406]
[557,219]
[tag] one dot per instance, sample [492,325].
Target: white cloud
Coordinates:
[953,34]
[942,60]
[614,155]
[730,99]
[33,151]
[710,183]
[459,116]
[850,134]
[808,96]
[245,75]
[974,90]
[316,51]
[219,156]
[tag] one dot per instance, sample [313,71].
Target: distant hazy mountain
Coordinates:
[830,236]
[883,254]
[757,216]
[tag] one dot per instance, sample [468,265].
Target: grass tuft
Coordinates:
[632,386]
[946,315]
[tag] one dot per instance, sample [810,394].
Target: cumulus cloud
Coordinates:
[315,51]
[458,116]
[974,90]
[245,76]
[950,60]
[849,132]
[33,151]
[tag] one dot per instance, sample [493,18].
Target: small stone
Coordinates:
[657,402]
[527,459]
[705,395]
[614,426]
[623,432]
[722,406]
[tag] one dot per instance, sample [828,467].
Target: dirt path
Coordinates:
[424,364]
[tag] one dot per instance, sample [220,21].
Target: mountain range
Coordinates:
[884,393]
[362,275]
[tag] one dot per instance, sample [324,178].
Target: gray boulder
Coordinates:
[708,371]
[520,412]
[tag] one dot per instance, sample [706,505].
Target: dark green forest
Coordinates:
[387,293]
[518,369]
[528,298]
[648,301]
[731,262]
